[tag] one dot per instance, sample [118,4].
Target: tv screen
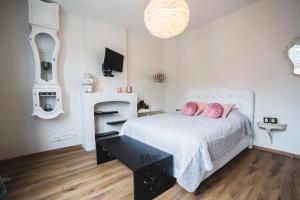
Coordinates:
[113,60]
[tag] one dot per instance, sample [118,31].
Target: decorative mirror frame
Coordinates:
[36,30]
[47,95]
[294,41]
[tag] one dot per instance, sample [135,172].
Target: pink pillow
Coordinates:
[189,109]
[227,109]
[213,110]
[201,107]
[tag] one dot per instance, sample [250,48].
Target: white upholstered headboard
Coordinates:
[244,99]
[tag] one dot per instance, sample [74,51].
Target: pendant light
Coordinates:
[166,18]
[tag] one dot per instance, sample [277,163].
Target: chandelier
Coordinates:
[166,18]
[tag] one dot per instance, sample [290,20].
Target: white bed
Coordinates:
[200,146]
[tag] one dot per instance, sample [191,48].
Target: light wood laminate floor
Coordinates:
[73,174]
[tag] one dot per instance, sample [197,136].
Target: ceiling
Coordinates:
[129,13]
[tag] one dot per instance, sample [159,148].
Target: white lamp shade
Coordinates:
[166,18]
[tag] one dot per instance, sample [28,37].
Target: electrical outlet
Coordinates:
[55,138]
[64,136]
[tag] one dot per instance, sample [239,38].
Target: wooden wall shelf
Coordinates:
[106,134]
[116,122]
[105,112]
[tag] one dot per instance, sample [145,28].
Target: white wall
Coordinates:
[82,49]
[146,58]
[98,35]
[244,50]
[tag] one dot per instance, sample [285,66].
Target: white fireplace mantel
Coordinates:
[88,102]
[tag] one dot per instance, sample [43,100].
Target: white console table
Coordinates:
[90,100]
[269,127]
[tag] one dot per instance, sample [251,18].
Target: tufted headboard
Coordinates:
[244,99]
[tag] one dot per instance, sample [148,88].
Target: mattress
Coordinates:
[194,141]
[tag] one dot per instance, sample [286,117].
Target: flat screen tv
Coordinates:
[113,61]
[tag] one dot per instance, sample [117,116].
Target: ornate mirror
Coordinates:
[293,53]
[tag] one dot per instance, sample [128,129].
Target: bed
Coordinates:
[200,146]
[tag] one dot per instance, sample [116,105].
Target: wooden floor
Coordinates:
[73,174]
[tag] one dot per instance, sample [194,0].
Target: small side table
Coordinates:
[269,127]
[150,111]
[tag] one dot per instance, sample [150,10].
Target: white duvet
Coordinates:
[188,139]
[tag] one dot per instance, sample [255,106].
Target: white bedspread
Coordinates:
[187,139]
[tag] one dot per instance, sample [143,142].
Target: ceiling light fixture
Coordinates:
[166,18]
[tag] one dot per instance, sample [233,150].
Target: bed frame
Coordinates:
[244,100]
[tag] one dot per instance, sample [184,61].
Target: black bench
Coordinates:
[152,168]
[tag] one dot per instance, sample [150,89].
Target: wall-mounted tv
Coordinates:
[113,61]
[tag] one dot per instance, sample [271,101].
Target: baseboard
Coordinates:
[60,150]
[79,147]
[283,153]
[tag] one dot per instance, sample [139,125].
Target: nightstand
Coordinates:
[269,127]
[148,112]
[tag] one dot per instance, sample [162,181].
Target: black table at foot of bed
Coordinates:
[152,168]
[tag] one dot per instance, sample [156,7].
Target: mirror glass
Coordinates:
[294,55]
